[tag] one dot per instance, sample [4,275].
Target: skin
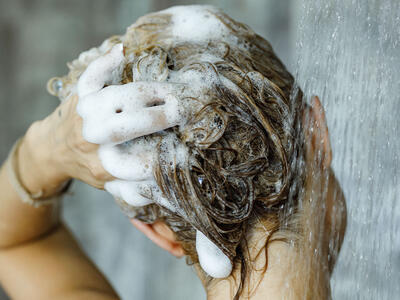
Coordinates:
[35,245]
[294,272]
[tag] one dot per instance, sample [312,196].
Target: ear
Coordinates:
[161,235]
[316,132]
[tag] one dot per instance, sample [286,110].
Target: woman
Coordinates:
[257,191]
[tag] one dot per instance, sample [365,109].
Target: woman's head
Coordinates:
[240,128]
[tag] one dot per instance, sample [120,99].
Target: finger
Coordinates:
[133,193]
[86,176]
[120,113]
[159,239]
[96,168]
[104,70]
[133,160]
[141,226]
[140,193]
[161,228]
[148,231]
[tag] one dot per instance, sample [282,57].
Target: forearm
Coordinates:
[52,152]
[52,267]
[39,258]
[20,222]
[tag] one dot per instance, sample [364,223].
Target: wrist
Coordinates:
[37,163]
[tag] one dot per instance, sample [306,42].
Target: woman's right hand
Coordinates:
[65,144]
[54,151]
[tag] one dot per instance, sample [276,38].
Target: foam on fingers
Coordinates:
[133,160]
[129,191]
[139,193]
[127,100]
[117,114]
[106,69]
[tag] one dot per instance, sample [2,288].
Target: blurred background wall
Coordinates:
[323,42]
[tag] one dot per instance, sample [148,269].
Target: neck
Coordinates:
[295,270]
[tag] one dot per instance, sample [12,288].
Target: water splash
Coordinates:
[348,53]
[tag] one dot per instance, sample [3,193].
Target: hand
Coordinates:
[53,151]
[114,113]
[120,117]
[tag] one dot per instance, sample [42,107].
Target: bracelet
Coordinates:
[35,200]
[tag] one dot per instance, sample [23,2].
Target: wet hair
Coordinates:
[245,144]
[247,158]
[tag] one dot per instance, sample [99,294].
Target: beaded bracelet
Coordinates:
[37,199]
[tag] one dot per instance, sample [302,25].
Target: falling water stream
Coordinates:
[348,53]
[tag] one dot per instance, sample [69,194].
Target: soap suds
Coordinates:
[198,24]
[132,163]
[104,70]
[130,191]
[212,260]
[119,113]
[132,160]
[128,120]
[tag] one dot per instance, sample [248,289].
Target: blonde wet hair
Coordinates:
[245,141]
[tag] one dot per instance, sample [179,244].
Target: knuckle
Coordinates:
[98,185]
[97,171]
[82,145]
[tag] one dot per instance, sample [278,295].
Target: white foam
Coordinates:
[149,67]
[197,81]
[212,260]
[172,151]
[129,191]
[106,69]
[116,114]
[133,160]
[164,202]
[118,117]
[119,113]
[140,193]
[199,24]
